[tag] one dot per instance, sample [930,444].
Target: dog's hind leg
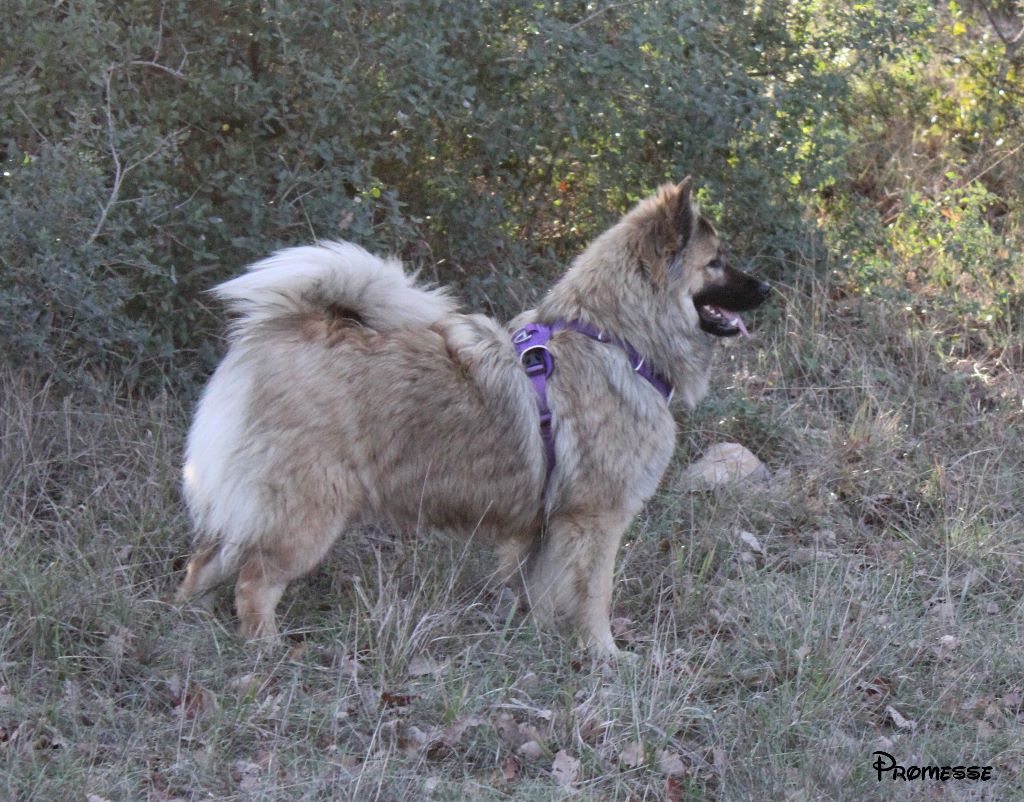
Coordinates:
[276,561]
[206,569]
[513,554]
[574,573]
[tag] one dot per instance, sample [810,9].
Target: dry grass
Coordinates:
[883,610]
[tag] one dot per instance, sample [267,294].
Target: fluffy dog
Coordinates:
[350,394]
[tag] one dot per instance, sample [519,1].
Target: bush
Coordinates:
[928,215]
[152,150]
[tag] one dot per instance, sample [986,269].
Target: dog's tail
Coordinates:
[333,276]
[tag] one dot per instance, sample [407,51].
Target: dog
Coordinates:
[350,394]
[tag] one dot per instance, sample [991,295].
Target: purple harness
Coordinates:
[531,344]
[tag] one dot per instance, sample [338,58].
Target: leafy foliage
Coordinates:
[928,214]
[151,150]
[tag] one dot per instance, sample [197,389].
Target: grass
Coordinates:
[883,610]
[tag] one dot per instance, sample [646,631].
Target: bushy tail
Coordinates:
[330,276]
[336,278]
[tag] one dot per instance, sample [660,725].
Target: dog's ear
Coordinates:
[666,224]
[685,215]
[685,212]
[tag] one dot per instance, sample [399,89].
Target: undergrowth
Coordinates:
[877,606]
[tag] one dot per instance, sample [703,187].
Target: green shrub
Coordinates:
[928,215]
[151,150]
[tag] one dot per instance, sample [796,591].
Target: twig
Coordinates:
[992,166]
[156,66]
[118,171]
[38,133]
[599,12]
[1001,26]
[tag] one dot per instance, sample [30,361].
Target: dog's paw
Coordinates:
[606,650]
[261,634]
[611,664]
[627,658]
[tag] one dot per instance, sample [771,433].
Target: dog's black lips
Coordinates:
[720,321]
[719,306]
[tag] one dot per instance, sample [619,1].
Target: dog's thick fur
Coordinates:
[350,394]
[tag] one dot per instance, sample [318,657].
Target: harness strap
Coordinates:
[531,344]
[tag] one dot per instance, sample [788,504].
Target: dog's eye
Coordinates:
[715,264]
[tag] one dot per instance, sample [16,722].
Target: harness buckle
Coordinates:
[537,360]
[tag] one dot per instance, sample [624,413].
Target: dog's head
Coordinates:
[679,250]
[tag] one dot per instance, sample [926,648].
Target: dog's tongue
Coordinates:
[733,319]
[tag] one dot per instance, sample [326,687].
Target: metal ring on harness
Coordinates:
[537,356]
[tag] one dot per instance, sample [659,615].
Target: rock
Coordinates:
[721,464]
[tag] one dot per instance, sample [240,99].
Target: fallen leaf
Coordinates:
[370,696]
[246,775]
[943,610]
[174,686]
[673,789]
[671,764]
[348,664]
[592,725]
[974,703]
[414,740]
[119,643]
[424,666]
[389,699]
[898,720]
[194,700]
[454,732]
[531,750]
[245,683]
[633,755]
[875,690]
[839,773]
[507,728]
[750,541]
[509,768]
[565,768]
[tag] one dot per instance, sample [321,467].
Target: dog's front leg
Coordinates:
[573,575]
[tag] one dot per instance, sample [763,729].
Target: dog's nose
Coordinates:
[765,289]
